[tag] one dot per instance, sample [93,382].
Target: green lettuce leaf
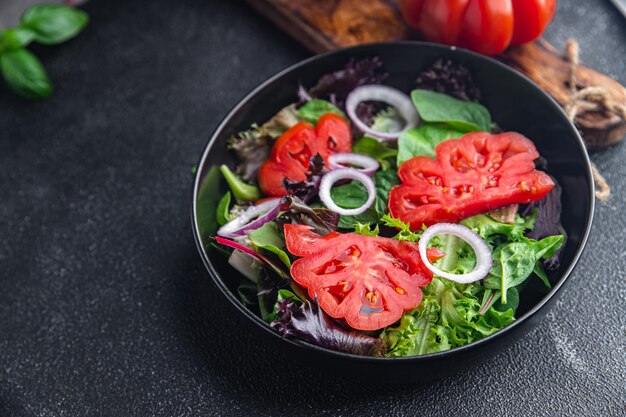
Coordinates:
[316,108]
[448,317]
[269,238]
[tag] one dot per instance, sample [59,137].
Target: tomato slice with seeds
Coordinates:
[473,174]
[293,150]
[368,281]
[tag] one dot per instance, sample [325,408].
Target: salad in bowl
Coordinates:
[383,222]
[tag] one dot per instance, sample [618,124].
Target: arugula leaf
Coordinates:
[223,209]
[241,190]
[53,24]
[25,74]
[380,151]
[422,140]
[460,115]
[269,238]
[316,108]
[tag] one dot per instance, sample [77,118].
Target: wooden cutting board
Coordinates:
[324,25]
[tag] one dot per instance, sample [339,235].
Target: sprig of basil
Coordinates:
[46,24]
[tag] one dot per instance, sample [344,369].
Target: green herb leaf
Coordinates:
[515,261]
[388,120]
[269,238]
[460,115]
[382,152]
[223,209]
[241,190]
[405,232]
[354,195]
[24,74]
[314,109]
[448,316]
[53,24]
[14,38]
[422,140]
[365,229]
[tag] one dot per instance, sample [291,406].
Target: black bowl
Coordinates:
[516,104]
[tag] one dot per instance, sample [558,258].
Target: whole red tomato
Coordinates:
[485,26]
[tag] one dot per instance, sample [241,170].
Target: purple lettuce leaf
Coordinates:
[449,78]
[322,220]
[309,323]
[307,189]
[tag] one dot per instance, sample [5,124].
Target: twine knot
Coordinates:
[589,99]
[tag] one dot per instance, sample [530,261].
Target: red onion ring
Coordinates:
[388,95]
[368,164]
[483,254]
[251,219]
[346,174]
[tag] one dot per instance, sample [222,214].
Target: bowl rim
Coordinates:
[421,358]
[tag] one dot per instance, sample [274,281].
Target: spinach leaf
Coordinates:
[380,151]
[515,261]
[316,108]
[223,209]
[25,74]
[354,195]
[460,115]
[422,140]
[52,24]
[269,238]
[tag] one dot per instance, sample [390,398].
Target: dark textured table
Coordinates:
[105,308]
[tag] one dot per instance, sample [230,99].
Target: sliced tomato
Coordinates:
[473,174]
[368,281]
[292,151]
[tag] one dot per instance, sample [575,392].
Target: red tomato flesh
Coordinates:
[292,151]
[368,281]
[473,174]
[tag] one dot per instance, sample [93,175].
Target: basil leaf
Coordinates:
[314,109]
[223,209]
[268,237]
[377,150]
[24,74]
[14,38]
[460,115]
[52,24]
[421,141]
